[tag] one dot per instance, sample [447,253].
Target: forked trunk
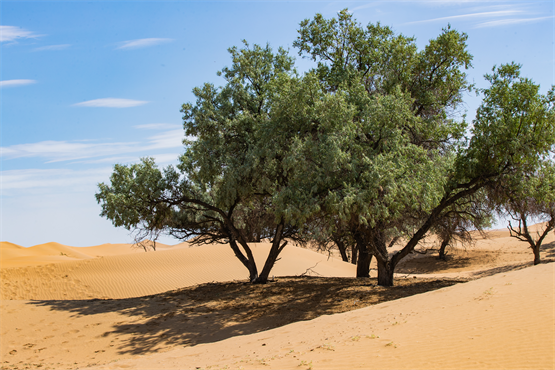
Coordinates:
[385,273]
[275,250]
[247,261]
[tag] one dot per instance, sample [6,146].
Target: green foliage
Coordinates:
[363,146]
[514,126]
[131,199]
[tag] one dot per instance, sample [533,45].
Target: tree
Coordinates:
[406,164]
[219,191]
[530,200]
[402,146]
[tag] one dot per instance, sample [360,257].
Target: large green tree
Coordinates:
[221,191]
[406,163]
[403,135]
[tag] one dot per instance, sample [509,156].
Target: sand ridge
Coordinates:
[182,307]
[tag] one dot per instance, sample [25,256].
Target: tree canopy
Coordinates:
[364,148]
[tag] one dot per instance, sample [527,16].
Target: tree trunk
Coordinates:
[275,250]
[444,244]
[364,258]
[342,249]
[247,261]
[354,254]
[536,250]
[385,273]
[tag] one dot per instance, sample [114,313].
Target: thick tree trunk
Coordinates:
[444,244]
[364,257]
[275,250]
[385,272]
[363,264]
[536,250]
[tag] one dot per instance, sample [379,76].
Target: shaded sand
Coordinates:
[506,321]
[117,307]
[59,333]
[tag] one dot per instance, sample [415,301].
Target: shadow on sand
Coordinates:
[216,311]
[429,263]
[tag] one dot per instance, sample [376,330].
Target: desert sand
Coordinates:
[117,307]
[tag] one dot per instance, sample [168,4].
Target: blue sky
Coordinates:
[85,85]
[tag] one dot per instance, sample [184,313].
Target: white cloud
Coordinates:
[506,22]
[15,180]
[12,83]
[500,13]
[157,126]
[111,103]
[453,2]
[142,43]
[55,151]
[12,33]
[59,151]
[364,6]
[53,47]
[168,139]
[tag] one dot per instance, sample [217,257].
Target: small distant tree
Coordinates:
[531,200]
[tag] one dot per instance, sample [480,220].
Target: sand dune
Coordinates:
[138,274]
[116,307]
[13,255]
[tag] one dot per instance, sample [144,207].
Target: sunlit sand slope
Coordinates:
[13,255]
[138,274]
[506,321]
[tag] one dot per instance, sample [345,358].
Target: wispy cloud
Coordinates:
[363,6]
[52,178]
[168,139]
[143,43]
[507,22]
[59,151]
[13,83]
[12,33]
[157,126]
[453,2]
[55,151]
[111,103]
[500,13]
[53,47]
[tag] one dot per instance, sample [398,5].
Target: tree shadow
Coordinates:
[501,269]
[212,312]
[429,263]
